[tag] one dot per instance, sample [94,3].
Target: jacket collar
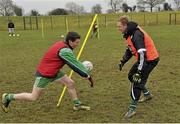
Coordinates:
[131,28]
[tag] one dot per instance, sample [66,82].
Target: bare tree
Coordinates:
[97,9]
[167,7]
[6,8]
[34,12]
[18,10]
[116,5]
[149,3]
[141,6]
[134,8]
[126,7]
[75,8]
[177,3]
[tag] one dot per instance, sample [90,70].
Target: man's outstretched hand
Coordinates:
[121,64]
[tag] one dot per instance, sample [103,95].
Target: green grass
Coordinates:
[109,98]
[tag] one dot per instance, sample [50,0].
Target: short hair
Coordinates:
[124,19]
[72,36]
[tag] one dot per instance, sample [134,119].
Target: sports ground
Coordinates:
[109,99]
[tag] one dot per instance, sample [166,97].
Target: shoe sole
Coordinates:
[5,109]
[78,109]
[145,100]
[130,115]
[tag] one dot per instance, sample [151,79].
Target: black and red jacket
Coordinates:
[140,45]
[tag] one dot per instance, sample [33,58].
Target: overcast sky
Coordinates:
[44,6]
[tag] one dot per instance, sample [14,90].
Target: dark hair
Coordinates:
[72,36]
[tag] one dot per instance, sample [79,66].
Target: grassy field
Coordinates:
[109,99]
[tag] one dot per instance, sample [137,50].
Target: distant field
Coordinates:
[75,21]
[109,98]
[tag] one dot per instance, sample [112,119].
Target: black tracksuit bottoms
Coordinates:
[137,88]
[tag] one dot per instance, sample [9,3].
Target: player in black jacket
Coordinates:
[142,47]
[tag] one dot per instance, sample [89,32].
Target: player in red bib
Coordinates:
[49,69]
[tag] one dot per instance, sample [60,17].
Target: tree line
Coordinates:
[8,8]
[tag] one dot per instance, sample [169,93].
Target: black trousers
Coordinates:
[137,88]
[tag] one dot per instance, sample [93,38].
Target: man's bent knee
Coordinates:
[70,84]
[35,98]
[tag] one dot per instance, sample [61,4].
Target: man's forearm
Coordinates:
[126,56]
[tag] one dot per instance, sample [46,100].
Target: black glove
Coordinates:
[121,64]
[137,77]
[91,82]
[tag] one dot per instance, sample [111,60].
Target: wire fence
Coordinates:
[81,21]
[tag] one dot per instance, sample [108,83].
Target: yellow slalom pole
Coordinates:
[67,25]
[98,28]
[87,35]
[42,27]
[79,54]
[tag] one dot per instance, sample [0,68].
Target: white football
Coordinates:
[62,36]
[88,65]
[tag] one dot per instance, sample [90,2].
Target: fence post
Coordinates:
[105,21]
[51,22]
[78,18]
[175,18]
[170,19]
[144,19]
[157,19]
[30,22]
[65,21]
[66,24]
[24,21]
[37,26]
